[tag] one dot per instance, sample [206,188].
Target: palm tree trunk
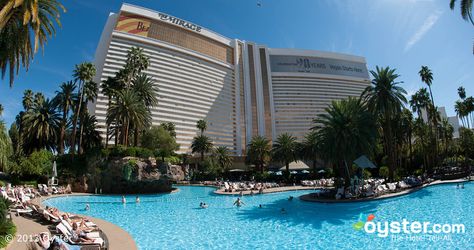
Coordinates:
[81,130]
[135,139]
[76,117]
[62,131]
[107,128]
[390,153]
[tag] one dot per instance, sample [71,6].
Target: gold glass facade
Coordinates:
[172,34]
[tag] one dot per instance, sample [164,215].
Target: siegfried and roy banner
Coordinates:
[319,65]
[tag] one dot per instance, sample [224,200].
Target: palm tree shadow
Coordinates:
[310,213]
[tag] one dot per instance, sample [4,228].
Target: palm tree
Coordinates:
[201,125]
[29,24]
[222,157]
[128,109]
[83,73]
[427,77]
[285,150]
[38,99]
[110,87]
[143,86]
[310,148]
[64,100]
[201,144]
[90,94]
[136,62]
[461,111]
[462,92]
[259,152]
[5,146]
[41,126]
[27,99]
[93,138]
[466,9]
[345,131]
[419,101]
[385,98]
[170,127]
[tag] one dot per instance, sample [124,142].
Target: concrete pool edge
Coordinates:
[310,198]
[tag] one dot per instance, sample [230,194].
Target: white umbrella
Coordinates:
[322,171]
[55,170]
[305,171]
[293,172]
[278,173]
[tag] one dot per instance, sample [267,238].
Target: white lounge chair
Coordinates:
[61,228]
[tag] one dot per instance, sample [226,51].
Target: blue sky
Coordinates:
[403,34]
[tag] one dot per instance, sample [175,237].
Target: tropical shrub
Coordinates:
[6,225]
[383,172]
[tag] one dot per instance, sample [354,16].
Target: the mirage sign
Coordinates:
[319,65]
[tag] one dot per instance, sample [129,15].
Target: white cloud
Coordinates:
[427,25]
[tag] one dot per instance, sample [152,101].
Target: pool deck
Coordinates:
[117,237]
[312,198]
[269,190]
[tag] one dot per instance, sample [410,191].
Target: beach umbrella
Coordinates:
[322,171]
[278,173]
[55,170]
[270,172]
[305,171]
[364,162]
[293,172]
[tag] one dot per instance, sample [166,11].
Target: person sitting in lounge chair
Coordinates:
[79,236]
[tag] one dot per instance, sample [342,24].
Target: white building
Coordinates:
[240,88]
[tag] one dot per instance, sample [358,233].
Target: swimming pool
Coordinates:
[174,221]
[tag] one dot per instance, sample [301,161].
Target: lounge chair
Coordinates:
[61,228]
[49,217]
[88,234]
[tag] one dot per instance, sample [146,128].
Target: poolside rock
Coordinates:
[129,175]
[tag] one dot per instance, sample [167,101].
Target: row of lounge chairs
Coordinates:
[68,231]
[377,187]
[318,183]
[247,186]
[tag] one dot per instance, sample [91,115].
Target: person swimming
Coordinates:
[260,206]
[137,199]
[290,198]
[241,193]
[283,211]
[88,207]
[239,202]
[251,192]
[203,205]
[462,185]
[123,199]
[457,185]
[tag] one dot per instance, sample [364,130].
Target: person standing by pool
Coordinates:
[137,199]
[239,202]
[124,200]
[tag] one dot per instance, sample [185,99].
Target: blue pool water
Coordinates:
[174,221]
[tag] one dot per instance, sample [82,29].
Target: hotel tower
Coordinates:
[241,88]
